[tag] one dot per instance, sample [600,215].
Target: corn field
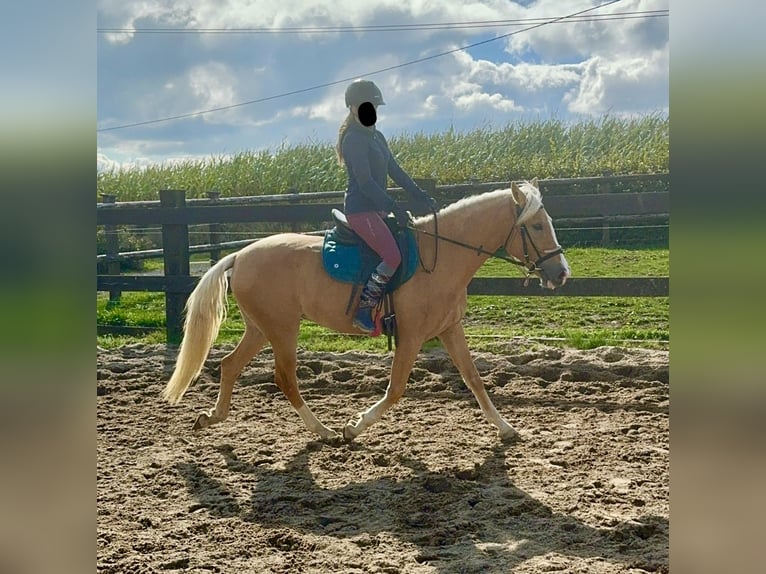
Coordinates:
[542,149]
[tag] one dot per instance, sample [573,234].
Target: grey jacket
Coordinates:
[369,162]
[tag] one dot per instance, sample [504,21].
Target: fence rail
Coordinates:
[175,213]
[590,205]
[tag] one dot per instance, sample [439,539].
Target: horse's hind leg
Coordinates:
[231,366]
[285,364]
[455,343]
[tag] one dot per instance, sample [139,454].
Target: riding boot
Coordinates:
[371,296]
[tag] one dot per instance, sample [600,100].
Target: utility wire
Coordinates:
[345,80]
[387,27]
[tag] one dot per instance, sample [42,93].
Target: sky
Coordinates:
[281,81]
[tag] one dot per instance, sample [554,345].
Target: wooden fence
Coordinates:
[174,212]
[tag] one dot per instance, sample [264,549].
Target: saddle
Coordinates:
[348,259]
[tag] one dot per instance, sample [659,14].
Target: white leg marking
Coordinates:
[313,423]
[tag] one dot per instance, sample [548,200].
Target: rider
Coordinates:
[369,162]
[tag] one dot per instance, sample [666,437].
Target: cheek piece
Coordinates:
[367,114]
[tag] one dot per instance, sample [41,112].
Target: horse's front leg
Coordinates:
[455,343]
[404,358]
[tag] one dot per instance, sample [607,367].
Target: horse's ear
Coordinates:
[534,182]
[517,194]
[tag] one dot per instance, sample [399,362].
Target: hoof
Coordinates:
[509,436]
[334,440]
[202,421]
[349,433]
[330,436]
[354,428]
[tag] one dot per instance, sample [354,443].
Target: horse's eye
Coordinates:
[537,226]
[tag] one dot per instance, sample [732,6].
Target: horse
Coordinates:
[280,279]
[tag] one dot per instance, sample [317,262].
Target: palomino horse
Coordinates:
[280,279]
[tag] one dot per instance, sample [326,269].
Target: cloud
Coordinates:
[329,109]
[466,95]
[213,85]
[127,15]
[292,13]
[479,99]
[621,81]
[580,41]
[622,86]
[566,69]
[522,77]
[105,163]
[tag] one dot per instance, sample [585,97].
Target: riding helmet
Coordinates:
[360,91]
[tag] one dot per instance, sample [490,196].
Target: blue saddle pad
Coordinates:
[354,263]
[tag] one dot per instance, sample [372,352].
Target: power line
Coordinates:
[389,27]
[349,79]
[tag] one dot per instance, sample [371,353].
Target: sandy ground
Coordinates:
[429,489]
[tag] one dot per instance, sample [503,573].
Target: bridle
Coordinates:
[526,239]
[530,267]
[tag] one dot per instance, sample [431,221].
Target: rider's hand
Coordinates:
[402,217]
[430,203]
[426,202]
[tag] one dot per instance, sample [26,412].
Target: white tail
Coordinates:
[205,311]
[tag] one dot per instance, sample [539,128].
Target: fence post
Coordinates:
[428,185]
[294,194]
[475,181]
[605,187]
[112,249]
[214,230]
[175,253]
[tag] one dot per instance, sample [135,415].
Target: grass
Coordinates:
[580,322]
[491,322]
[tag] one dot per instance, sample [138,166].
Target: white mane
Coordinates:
[533,201]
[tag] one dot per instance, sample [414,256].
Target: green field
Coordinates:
[491,322]
[543,149]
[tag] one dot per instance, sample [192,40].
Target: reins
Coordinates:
[529,267]
[436,244]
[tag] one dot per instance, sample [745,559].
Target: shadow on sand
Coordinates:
[460,521]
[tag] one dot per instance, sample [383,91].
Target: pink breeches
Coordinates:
[370,227]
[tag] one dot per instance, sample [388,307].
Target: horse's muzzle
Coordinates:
[554,272]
